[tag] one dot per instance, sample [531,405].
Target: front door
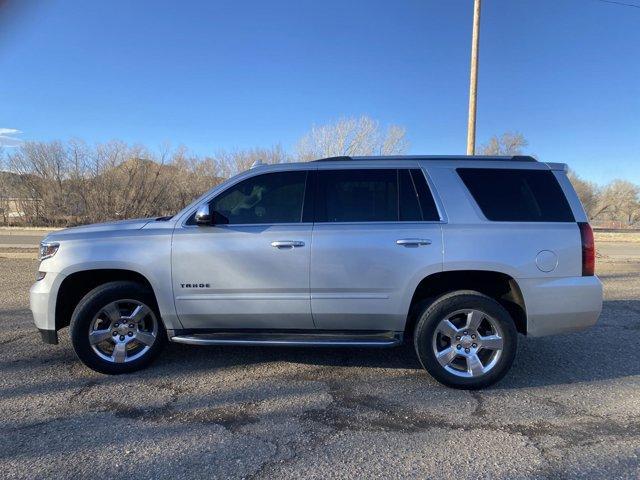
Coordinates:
[250,269]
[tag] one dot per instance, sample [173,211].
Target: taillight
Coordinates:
[588,249]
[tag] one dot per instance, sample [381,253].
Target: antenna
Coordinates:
[257,163]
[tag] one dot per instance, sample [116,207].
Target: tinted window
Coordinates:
[409,204]
[427,203]
[357,196]
[372,195]
[270,198]
[308,209]
[517,195]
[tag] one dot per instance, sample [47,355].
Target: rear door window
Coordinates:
[410,209]
[427,203]
[357,196]
[515,195]
[373,195]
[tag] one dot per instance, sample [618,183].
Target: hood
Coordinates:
[77,232]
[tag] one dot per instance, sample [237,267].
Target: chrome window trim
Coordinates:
[382,223]
[244,225]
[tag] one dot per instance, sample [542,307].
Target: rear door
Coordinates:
[377,232]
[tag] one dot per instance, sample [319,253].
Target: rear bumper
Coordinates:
[561,305]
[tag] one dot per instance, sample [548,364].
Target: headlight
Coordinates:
[48,250]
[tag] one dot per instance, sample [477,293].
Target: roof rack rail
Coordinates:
[488,158]
[523,158]
[334,159]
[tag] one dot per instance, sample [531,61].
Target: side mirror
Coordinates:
[203,216]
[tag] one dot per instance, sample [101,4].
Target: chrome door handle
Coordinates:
[287,244]
[413,242]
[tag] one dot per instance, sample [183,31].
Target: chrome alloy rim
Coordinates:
[468,343]
[123,331]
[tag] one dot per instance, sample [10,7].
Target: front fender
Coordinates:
[145,252]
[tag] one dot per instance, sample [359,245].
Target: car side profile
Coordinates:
[458,255]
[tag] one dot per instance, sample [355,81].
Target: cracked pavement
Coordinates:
[569,408]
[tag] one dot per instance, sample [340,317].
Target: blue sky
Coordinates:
[236,74]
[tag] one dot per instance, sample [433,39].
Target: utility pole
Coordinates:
[473,83]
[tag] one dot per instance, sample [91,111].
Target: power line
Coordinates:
[619,3]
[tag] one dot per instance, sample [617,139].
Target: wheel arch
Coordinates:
[498,285]
[77,284]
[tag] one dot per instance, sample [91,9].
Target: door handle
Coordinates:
[287,244]
[413,242]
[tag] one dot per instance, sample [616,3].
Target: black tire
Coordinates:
[447,305]
[91,305]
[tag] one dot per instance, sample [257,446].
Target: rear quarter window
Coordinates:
[515,195]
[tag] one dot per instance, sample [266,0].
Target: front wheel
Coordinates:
[116,328]
[466,340]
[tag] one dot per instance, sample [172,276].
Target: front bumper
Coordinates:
[42,301]
[561,305]
[49,336]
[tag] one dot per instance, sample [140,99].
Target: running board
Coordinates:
[297,339]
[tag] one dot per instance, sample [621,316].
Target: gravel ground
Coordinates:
[570,408]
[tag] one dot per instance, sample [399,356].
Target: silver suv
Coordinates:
[455,254]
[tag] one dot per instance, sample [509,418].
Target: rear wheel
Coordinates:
[116,328]
[465,339]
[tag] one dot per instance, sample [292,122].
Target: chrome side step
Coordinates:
[292,339]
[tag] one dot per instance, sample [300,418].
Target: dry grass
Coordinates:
[627,237]
[26,230]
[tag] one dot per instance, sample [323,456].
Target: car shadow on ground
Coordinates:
[604,352]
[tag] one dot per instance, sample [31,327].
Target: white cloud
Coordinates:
[7,137]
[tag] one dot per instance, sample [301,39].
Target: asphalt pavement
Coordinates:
[14,238]
[569,408]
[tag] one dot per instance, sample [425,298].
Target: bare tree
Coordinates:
[43,168]
[588,193]
[5,189]
[128,181]
[351,136]
[620,200]
[506,144]
[72,183]
[238,161]
[66,183]
[192,176]
[78,157]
